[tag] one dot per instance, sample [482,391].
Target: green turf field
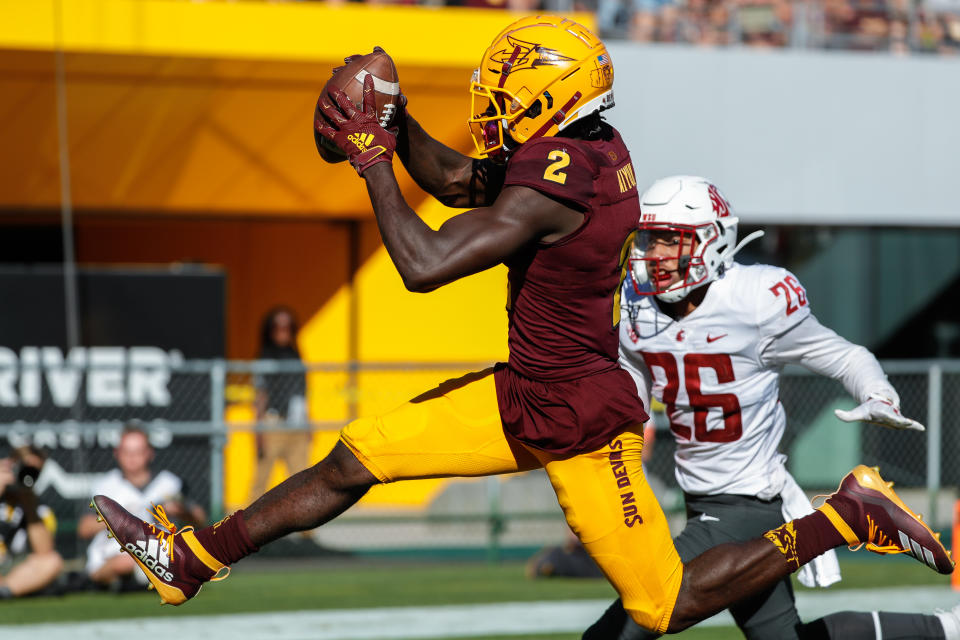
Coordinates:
[265,586]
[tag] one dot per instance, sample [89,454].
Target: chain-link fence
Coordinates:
[232,429]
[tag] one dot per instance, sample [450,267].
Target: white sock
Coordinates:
[877,631]
[951,624]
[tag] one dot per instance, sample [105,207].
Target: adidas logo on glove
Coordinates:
[361,140]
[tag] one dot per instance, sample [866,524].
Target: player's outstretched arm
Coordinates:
[449,176]
[467,243]
[823,351]
[882,411]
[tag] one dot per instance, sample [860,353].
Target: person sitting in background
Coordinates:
[138,488]
[281,401]
[24,529]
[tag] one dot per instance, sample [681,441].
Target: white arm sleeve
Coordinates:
[639,374]
[822,351]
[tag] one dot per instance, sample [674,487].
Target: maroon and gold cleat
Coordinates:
[882,522]
[173,560]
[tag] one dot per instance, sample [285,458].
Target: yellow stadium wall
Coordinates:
[188,139]
[187,108]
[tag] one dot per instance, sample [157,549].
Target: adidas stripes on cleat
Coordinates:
[866,512]
[173,560]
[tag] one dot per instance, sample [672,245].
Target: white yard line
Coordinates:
[449,621]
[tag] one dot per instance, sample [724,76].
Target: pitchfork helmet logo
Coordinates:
[527,55]
[566,75]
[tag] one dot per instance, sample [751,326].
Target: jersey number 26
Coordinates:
[699,402]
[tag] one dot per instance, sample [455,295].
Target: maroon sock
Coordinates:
[803,539]
[227,540]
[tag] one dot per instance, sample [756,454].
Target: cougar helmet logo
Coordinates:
[721,208]
[689,240]
[528,55]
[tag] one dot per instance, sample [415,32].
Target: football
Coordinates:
[350,79]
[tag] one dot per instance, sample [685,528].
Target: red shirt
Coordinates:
[562,389]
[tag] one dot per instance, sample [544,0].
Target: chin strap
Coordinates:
[727,256]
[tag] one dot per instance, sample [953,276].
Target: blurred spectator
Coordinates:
[28,560]
[897,26]
[716,32]
[951,30]
[645,24]
[137,488]
[765,23]
[899,31]
[568,560]
[281,401]
[929,34]
[511,5]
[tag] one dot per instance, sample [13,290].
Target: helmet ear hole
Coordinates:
[535,110]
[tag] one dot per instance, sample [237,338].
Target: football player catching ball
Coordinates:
[554,199]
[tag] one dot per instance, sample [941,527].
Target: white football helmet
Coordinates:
[694,208]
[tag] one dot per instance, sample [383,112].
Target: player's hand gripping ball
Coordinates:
[350,79]
[356,132]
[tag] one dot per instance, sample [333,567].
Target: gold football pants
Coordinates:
[454,430]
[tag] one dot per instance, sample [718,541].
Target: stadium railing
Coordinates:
[202,420]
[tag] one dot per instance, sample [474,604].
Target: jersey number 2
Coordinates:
[560,160]
[699,402]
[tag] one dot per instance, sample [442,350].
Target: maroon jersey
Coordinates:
[562,389]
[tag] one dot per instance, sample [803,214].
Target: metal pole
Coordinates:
[66,199]
[218,437]
[934,408]
[70,306]
[495,519]
[353,320]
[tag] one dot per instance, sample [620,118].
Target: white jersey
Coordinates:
[163,487]
[717,371]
